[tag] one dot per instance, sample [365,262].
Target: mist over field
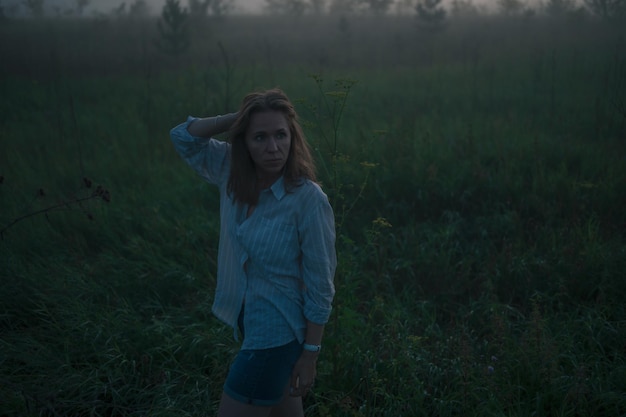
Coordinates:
[99,7]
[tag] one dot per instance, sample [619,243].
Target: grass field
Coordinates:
[478,176]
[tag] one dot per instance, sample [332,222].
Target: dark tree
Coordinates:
[511,7]
[343,7]
[431,14]
[287,7]
[139,9]
[221,7]
[463,9]
[199,9]
[174,38]
[559,8]
[607,9]
[80,6]
[35,7]
[377,7]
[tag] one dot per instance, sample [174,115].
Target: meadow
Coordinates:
[478,177]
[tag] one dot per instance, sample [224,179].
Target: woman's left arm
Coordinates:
[305,370]
[319,261]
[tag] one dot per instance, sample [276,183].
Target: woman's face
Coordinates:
[268,139]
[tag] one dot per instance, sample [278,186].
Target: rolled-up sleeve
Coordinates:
[319,261]
[209,157]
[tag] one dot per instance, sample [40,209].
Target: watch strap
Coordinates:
[311,348]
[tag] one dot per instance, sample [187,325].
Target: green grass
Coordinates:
[477,176]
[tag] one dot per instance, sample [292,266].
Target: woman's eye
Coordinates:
[281,135]
[258,138]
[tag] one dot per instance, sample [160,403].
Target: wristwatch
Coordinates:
[311,348]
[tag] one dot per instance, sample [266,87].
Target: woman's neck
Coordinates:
[266,182]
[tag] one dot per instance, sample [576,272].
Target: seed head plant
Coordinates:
[86,193]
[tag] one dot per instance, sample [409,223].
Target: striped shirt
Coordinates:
[280,261]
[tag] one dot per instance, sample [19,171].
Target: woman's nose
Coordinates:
[272,146]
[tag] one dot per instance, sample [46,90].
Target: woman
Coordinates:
[276,259]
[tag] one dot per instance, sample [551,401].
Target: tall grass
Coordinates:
[477,175]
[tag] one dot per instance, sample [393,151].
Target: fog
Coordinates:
[56,7]
[240,6]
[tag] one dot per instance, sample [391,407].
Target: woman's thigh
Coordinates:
[259,377]
[229,407]
[288,407]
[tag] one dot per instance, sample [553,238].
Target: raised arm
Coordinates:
[194,142]
[211,126]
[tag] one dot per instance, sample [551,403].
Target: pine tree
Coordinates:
[174,38]
[431,14]
[35,7]
[608,9]
[378,7]
[286,7]
[511,7]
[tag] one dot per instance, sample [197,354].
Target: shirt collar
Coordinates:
[278,188]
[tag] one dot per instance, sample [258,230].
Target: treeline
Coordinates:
[179,39]
[428,11]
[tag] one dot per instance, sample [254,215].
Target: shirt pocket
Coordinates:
[275,245]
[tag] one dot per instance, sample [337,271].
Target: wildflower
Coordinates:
[366,164]
[381,222]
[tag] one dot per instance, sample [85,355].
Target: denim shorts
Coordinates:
[260,376]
